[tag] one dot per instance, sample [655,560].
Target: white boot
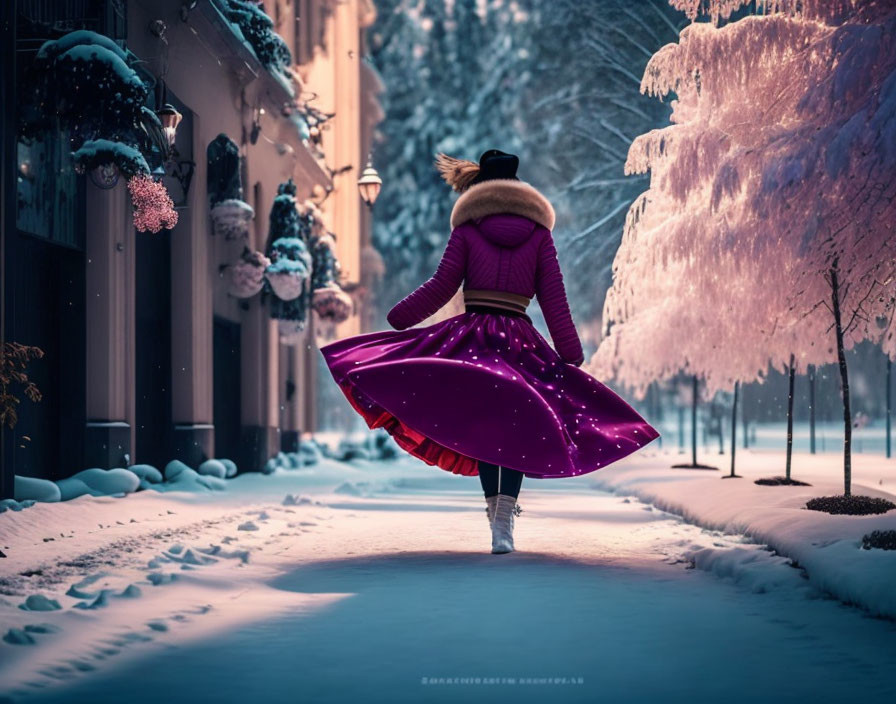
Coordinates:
[502,524]
[490,508]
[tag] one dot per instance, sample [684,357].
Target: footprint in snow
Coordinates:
[18,636]
[38,602]
[190,557]
[157,578]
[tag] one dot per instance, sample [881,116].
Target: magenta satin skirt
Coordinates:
[485,386]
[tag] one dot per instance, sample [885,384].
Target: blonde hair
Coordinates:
[458,173]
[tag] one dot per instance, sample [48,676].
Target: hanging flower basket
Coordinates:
[332,304]
[245,277]
[287,278]
[231,218]
[291,331]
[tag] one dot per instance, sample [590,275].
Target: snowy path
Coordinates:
[362,597]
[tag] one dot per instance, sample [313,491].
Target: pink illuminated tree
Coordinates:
[768,226]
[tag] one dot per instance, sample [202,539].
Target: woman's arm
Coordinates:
[438,290]
[552,299]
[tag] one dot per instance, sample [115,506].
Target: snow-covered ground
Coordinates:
[827,547]
[374,582]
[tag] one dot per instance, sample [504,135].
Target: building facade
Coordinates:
[147,357]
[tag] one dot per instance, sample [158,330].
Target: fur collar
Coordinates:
[502,196]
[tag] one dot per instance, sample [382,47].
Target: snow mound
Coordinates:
[292,500]
[13,505]
[759,570]
[109,481]
[147,473]
[190,480]
[72,488]
[174,468]
[36,489]
[213,468]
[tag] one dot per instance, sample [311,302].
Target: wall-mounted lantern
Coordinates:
[170,119]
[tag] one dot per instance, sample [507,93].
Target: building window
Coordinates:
[49,194]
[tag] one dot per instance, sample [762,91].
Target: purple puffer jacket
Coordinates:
[500,251]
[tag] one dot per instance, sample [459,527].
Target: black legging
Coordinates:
[510,480]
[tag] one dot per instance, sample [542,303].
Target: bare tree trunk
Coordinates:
[694,422]
[734,427]
[812,409]
[889,406]
[844,381]
[791,374]
[681,430]
[743,417]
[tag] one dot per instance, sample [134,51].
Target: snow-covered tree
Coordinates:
[767,229]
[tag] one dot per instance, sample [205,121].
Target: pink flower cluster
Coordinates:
[153,208]
[246,277]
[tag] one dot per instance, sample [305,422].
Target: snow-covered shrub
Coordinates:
[109,481]
[245,277]
[310,453]
[351,450]
[258,30]
[384,446]
[174,468]
[13,505]
[213,468]
[146,472]
[289,275]
[187,479]
[223,170]
[98,152]
[153,208]
[229,465]
[36,489]
[85,81]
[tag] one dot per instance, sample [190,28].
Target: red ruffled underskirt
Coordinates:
[408,439]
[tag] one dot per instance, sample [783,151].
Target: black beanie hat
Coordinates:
[495,164]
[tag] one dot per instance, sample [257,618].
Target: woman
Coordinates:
[483,392]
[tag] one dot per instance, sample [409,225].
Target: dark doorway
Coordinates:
[46,282]
[227,388]
[153,353]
